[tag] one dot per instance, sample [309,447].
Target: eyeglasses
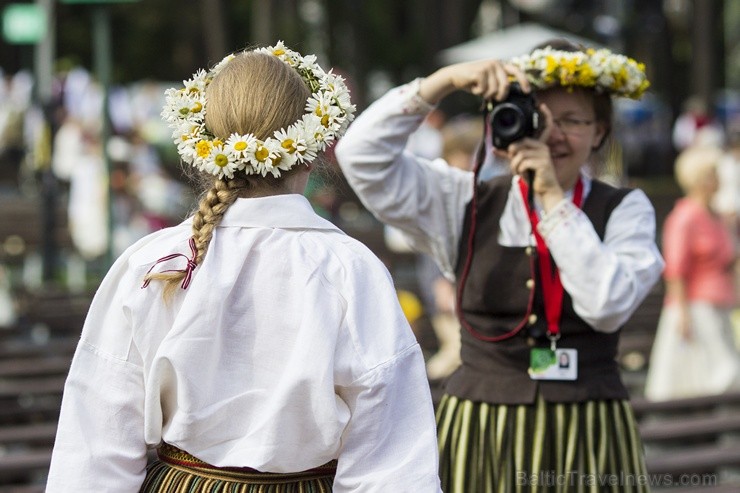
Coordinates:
[572,126]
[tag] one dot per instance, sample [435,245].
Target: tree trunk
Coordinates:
[214,29]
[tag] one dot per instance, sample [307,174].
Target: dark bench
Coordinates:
[59,312]
[705,427]
[32,376]
[698,436]
[21,346]
[694,460]
[45,385]
[30,409]
[34,367]
[33,434]
[643,406]
[31,488]
[21,467]
[22,223]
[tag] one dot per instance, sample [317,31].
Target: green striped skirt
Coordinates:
[543,447]
[176,471]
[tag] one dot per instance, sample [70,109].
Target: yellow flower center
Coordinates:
[184,111]
[221,160]
[278,52]
[218,142]
[288,145]
[325,120]
[197,107]
[261,153]
[318,111]
[240,146]
[203,148]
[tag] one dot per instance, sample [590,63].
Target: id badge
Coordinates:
[546,364]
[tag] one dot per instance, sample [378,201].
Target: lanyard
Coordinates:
[552,288]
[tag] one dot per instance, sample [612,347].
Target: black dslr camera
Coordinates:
[514,118]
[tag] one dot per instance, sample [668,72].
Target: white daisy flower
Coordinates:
[260,156]
[280,159]
[220,162]
[197,85]
[317,131]
[292,140]
[238,146]
[220,65]
[178,107]
[322,105]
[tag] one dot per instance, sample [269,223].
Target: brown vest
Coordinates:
[495,300]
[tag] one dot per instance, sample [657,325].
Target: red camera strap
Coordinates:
[552,288]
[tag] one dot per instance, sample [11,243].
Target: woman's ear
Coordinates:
[600,136]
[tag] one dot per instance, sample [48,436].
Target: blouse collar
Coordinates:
[283,211]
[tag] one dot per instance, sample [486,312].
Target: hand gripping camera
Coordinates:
[514,118]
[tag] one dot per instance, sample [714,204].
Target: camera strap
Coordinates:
[552,287]
[480,158]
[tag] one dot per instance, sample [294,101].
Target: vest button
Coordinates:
[532,319]
[530,341]
[530,283]
[528,250]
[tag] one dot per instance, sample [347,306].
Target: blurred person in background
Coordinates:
[695,116]
[255,345]
[694,352]
[510,412]
[727,199]
[16,91]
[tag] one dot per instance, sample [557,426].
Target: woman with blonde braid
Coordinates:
[255,345]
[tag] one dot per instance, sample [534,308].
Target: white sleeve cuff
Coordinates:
[413,103]
[558,215]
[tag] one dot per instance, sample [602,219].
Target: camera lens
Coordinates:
[514,118]
[508,120]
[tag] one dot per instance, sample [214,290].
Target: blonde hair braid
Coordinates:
[211,209]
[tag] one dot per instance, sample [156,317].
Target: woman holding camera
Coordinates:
[547,261]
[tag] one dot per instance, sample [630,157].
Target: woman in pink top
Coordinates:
[694,351]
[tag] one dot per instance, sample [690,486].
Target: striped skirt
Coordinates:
[176,471]
[545,447]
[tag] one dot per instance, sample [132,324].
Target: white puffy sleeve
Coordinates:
[389,442]
[100,436]
[606,279]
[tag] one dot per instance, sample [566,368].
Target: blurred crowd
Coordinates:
[65,138]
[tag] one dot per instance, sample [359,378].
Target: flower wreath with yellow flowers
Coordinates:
[600,69]
[328,113]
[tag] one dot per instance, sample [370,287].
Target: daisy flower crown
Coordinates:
[601,70]
[328,113]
